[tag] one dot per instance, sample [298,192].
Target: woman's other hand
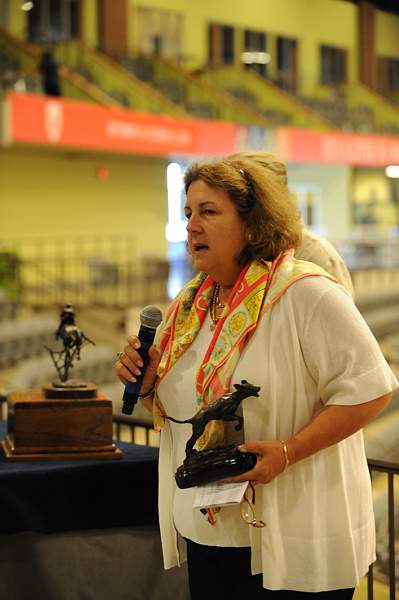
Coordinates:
[271,461]
[330,426]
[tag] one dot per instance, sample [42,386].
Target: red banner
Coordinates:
[357,149]
[39,119]
[67,123]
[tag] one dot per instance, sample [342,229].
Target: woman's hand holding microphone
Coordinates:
[129,364]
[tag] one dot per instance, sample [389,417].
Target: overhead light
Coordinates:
[27,6]
[392,171]
[259,58]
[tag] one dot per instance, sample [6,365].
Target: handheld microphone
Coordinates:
[150,318]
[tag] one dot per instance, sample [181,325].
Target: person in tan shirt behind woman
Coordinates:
[312,248]
[322,252]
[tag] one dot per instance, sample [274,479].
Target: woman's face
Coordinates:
[216,232]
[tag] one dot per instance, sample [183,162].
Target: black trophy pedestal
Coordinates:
[212,465]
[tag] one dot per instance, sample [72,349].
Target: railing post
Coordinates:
[391,469]
[370,582]
[391,537]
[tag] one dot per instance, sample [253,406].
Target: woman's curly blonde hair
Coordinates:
[257,184]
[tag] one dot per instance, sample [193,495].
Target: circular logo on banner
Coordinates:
[53,120]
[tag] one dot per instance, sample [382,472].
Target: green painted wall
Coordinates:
[47,193]
[90,23]
[312,22]
[387,34]
[17,21]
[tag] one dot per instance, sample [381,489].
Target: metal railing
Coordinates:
[122,422]
[83,270]
[390,469]
[387,577]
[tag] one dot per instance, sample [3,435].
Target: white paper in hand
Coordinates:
[219,494]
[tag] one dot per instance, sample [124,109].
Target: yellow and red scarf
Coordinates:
[259,285]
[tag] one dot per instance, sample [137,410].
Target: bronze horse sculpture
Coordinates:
[223,408]
[72,339]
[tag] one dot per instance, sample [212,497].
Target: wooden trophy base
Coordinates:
[61,428]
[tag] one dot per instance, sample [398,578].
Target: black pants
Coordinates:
[225,574]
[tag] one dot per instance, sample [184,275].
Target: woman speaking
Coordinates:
[254,312]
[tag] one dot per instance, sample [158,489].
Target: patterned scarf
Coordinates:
[259,285]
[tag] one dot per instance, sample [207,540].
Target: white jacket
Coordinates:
[311,349]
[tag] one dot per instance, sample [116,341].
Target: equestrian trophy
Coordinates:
[204,466]
[68,419]
[72,340]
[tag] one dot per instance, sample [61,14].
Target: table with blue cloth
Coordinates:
[84,529]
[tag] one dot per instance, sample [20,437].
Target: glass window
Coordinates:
[393,75]
[332,65]
[287,63]
[52,21]
[160,32]
[256,57]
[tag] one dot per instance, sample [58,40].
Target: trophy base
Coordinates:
[69,389]
[43,428]
[15,454]
[211,465]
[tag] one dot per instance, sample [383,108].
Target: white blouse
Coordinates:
[311,349]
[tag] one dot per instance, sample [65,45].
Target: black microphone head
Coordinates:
[150,317]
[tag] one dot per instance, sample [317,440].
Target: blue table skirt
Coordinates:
[49,496]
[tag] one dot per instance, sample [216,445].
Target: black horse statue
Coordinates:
[72,339]
[222,409]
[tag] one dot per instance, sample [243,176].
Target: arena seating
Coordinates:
[25,338]
[381,311]
[8,308]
